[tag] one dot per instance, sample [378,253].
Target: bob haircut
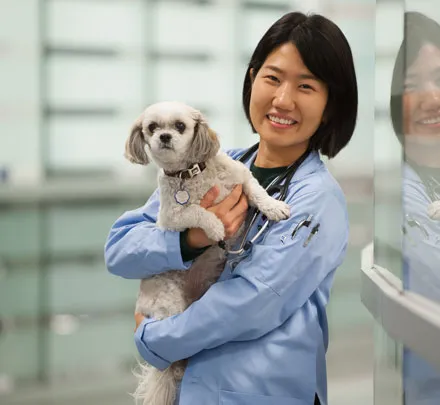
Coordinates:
[326,53]
[419,31]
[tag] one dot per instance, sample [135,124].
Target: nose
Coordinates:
[430,99]
[284,98]
[165,138]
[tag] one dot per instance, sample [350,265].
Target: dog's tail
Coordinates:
[155,387]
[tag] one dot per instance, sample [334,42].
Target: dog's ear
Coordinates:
[135,144]
[205,143]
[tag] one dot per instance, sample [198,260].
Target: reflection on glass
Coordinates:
[387,369]
[417,73]
[415,110]
[387,150]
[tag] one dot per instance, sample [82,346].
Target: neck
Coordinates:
[269,156]
[425,170]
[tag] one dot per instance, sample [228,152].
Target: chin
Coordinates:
[279,140]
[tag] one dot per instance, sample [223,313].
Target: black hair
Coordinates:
[326,53]
[419,31]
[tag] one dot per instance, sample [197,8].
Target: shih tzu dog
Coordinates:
[178,139]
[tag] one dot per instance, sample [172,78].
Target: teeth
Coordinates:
[281,120]
[430,121]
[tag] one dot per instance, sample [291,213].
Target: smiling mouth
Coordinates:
[429,121]
[281,121]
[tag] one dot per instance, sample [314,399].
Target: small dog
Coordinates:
[178,139]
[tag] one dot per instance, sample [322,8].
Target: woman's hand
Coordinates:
[231,211]
[138,317]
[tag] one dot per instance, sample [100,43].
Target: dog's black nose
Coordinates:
[165,138]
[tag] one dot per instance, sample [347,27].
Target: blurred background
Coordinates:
[74,76]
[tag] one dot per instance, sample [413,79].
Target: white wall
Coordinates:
[19,90]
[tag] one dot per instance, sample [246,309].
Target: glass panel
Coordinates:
[417,120]
[387,149]
[407,192]
[420,126]
[388,388]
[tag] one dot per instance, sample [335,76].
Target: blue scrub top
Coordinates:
[259,335]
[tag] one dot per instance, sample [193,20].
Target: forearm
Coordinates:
[264,292]
[137,248]
[255,311]
[205,325]
[142,251]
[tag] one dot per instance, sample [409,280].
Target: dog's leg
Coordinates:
[194,216]
[257,196]
[273,209]
[204,272]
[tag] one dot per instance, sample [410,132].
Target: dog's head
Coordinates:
[173,134]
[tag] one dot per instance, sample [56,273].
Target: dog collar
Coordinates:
[189,173]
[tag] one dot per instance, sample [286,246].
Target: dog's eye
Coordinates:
[180,126]
[152,127]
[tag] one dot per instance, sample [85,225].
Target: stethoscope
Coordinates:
[432,187]
[279,184]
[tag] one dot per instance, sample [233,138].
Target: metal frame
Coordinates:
[407,317]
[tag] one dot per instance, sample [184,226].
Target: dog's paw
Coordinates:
[276,210]
[434,210]
[215,230]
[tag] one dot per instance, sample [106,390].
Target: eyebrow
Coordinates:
[300,76]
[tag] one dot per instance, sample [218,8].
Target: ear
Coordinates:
[135,144]
[252,74]
[205,143]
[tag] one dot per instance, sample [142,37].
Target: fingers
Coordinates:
[138,319]
[240,208]
[231,211]
[235,217]
[235,226]
[210,197]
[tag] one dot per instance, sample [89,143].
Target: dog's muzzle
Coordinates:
[165,138]
[165,141]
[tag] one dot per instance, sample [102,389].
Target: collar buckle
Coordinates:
[189,173]
[194,171]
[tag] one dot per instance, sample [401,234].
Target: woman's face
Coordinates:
[421,107]
[287,101]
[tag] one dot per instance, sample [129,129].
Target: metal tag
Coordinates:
[181,197]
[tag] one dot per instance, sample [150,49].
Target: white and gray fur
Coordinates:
[175,136]
[434,210]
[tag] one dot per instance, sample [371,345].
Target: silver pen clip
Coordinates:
[305,222]
[314,231]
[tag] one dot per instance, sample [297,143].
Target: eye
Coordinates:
[306,86]
[180,126]
[272,78]
[409,86]
[152,127]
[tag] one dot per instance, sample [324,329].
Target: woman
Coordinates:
[415,111]
[259,335]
